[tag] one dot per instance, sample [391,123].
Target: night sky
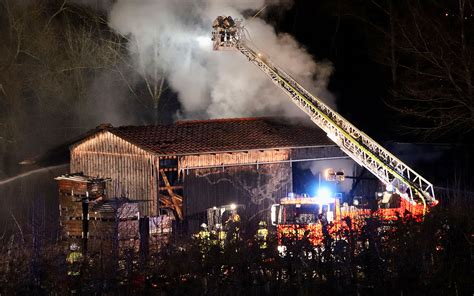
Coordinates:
[347,34]
[357,82]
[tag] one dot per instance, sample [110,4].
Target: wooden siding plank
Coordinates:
[252,156]
[129,167]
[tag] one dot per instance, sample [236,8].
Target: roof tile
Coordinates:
[219,135]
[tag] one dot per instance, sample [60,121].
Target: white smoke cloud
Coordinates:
[172,38]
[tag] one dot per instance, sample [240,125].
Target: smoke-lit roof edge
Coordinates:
[73,146]
[102,128]
[108,127]
[196,153]
[105,127]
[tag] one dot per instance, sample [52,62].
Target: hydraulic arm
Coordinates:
[229,35]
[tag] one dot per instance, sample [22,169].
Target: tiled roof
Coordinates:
[219,135]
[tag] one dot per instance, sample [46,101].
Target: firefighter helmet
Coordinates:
[204,226]
[262,224]
[74,247]
[236,217]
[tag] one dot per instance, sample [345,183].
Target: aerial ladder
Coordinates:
[229,34]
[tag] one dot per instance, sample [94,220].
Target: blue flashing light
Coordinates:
[324,193]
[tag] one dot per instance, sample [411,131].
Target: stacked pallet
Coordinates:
[114,224]
[76,195]
[91,219]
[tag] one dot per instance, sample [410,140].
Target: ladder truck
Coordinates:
[416,192]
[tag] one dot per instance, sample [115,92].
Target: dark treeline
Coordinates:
[433,257]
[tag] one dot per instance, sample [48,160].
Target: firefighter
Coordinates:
[218,22]
[324,224]
[262,234]
[203,235]
[217,25]
[74,260]
[234,217]
[213,239]
[221,235]
[233,226]
[228,22]
[229,26]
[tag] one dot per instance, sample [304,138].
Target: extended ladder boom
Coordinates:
[360,147]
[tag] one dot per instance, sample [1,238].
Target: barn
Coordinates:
[189,166]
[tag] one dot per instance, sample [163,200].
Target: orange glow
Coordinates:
[357,216]
[294,231]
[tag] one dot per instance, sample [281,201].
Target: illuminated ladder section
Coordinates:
[356,144]
[360,147]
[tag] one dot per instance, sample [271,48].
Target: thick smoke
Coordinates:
[172,38]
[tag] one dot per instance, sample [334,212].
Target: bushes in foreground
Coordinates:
[406,258]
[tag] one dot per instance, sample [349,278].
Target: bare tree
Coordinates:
[50,54]
[432,67]
[428,47]
[132,75]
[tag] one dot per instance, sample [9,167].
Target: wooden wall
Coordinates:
[229,158]
[134,171]
[254,187]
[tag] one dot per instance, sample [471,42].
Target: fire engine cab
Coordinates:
[299,217]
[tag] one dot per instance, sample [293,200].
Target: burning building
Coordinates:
[187,167]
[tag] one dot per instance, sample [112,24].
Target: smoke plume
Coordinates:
[172,38]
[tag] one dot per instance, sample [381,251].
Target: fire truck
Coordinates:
[300,216]
[415,193]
